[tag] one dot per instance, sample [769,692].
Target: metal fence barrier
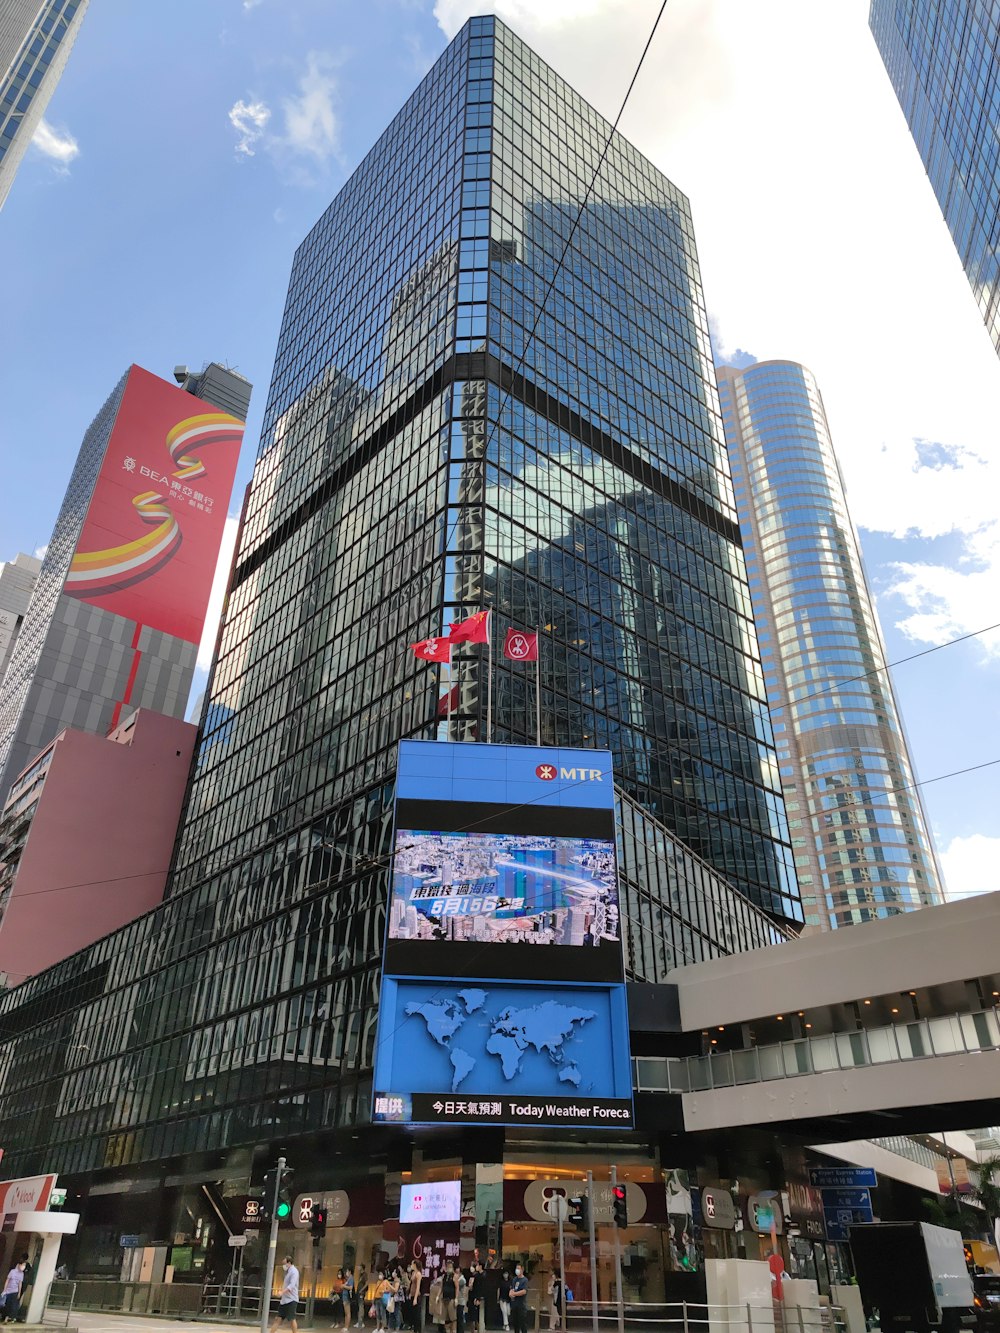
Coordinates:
[691,1317]
[61,1296]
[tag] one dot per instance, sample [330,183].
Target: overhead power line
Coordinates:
[887,666]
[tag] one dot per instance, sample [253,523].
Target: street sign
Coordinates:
[129,1242]
[845,1208]
[843,1177]
[236,1242]
[860,1200]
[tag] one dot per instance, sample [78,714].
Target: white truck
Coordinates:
[914,1275]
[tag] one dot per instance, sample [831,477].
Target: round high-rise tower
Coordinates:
[858,828]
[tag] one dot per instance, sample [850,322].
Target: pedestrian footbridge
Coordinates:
[892,1027]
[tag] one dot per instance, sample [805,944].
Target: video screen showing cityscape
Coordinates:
[505,888]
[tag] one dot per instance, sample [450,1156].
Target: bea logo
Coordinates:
[548,772]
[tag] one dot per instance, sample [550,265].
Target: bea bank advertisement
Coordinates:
[503,992]
[151,538]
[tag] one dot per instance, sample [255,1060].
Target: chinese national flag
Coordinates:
[432,650]
[474,630]
[520,646]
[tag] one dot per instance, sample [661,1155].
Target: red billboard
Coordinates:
[151,538]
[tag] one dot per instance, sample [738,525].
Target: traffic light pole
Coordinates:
[272,1250]
[593,1249]
[562,1208]
[618,1256]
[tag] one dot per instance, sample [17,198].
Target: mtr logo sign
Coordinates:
[549,772]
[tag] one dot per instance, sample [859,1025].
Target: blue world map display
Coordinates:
[496,1039]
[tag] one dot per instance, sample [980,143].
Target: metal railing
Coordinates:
[179,1298]
[61,1296]
[691,1317]
[921,1039]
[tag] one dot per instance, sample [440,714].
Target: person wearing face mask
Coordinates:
[288,1301]
[519,1301]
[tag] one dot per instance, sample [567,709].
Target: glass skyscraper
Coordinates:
[943,57]
[477,401]
[858,829]
[35,42]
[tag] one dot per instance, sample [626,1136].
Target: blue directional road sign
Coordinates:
[842,1177]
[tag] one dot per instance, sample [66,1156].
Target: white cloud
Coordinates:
[249,120]
[944,601]
[217,596]
[311,125]
[41,551]
[252,4]
[59,145]
[971,865]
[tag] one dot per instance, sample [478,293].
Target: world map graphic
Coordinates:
[470,1031]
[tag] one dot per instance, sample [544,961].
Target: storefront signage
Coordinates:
[541,1200]
[717,1209]
[764,1213]
[503,994]
[26,1194]
[843,1177]
[804,1206]
[336,1202]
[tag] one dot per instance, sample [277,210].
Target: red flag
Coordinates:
[448,701]
[474,630]
[432,650]
[519,646]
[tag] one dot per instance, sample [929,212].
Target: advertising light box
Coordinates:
[503,997]
[150,542]
[439,1202]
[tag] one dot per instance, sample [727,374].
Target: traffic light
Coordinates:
[267,1197]
[317,1221]
[579,1211]
[284,1209]
[619,1206]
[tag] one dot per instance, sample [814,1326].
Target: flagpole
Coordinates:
[538,687]
[451,690]
[489,678]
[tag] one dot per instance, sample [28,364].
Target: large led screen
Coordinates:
[438,1202]
[505,888]
[150,541]
[503,1053]
[503,997]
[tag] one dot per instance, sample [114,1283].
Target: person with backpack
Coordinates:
[449,1298]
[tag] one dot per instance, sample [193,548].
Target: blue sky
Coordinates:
[192,145]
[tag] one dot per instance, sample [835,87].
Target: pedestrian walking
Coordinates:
[288,1301]
[10,1301]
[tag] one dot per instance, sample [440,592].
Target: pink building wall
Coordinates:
[100,841]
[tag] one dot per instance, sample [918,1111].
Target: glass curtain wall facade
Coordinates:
[423,456]
[35,42]
[943,58]
[858,828]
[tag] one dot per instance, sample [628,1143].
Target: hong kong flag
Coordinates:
[474,630]
[520,646]
[432,650]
